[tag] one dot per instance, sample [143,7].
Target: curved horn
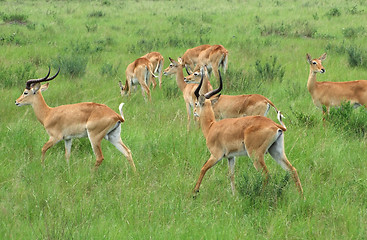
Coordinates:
[187,70]
[210,94]
[32,81]
[198,88]
[49,79]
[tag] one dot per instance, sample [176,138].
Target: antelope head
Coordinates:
[315,64]
[32,89]
[205,99]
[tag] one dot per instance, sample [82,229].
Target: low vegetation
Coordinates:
[93,42]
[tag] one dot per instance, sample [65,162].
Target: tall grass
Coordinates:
[94,41]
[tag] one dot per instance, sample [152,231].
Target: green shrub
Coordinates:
[15,18]
[276,29]
[73,65]
[96,14]
[349,119]
[333,12]
[352,32]
[108,69]
[354,10]
[357,57]
[269,70]
[303,119]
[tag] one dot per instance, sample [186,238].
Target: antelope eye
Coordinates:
[196,74]
[25,93]
[314,63]
[171,65]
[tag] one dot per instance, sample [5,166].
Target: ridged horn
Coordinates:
[210,94]
[44,79]
[198,88]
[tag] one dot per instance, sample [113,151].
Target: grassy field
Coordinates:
[94,41]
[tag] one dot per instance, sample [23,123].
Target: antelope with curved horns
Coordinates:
[65,122]
[139,72]
[157,60]
[332,94]
[234,106]
[191,57]
[188,90]
[251,136]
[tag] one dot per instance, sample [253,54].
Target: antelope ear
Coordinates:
[322,57]
[121,86]
[309,58]
[201,100]
[36,87]
[44,87]
[215,99]
[179,60]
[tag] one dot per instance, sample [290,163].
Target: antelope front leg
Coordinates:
[210,163]
[52,141]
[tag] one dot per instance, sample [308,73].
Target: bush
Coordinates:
[270,70]
[96,14]
[352,32]
[306,120]
[348,119]
[108,70]
[71,64]
[333,12]
[15,18]
[357,57]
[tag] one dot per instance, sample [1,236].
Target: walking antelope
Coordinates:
[251,136]
[139,72]
[187,89]
[229,106]
[190,57]
[157,60]
[332,94]
[213,57]
[65,122]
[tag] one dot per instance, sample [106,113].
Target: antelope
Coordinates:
[234,106]
[157,60]
[251,136]
[190,57]
[139,72]
[187,89]
[213,57]
[65,122]
[330,94]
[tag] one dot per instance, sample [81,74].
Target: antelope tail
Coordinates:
[121,113]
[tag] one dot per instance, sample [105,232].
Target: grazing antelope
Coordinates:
[139,72]
[191,56]
[229,106]
[332,94]
[187,89]
[157,60]
[251,136]
[213,57]
[65,122]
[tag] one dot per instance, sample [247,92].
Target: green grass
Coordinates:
[94,41]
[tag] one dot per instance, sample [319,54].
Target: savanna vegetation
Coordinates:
[93,42]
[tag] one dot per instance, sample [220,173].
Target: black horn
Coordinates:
[212,93]
[44,79]
[198,88]
[49,79]
[187,70]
